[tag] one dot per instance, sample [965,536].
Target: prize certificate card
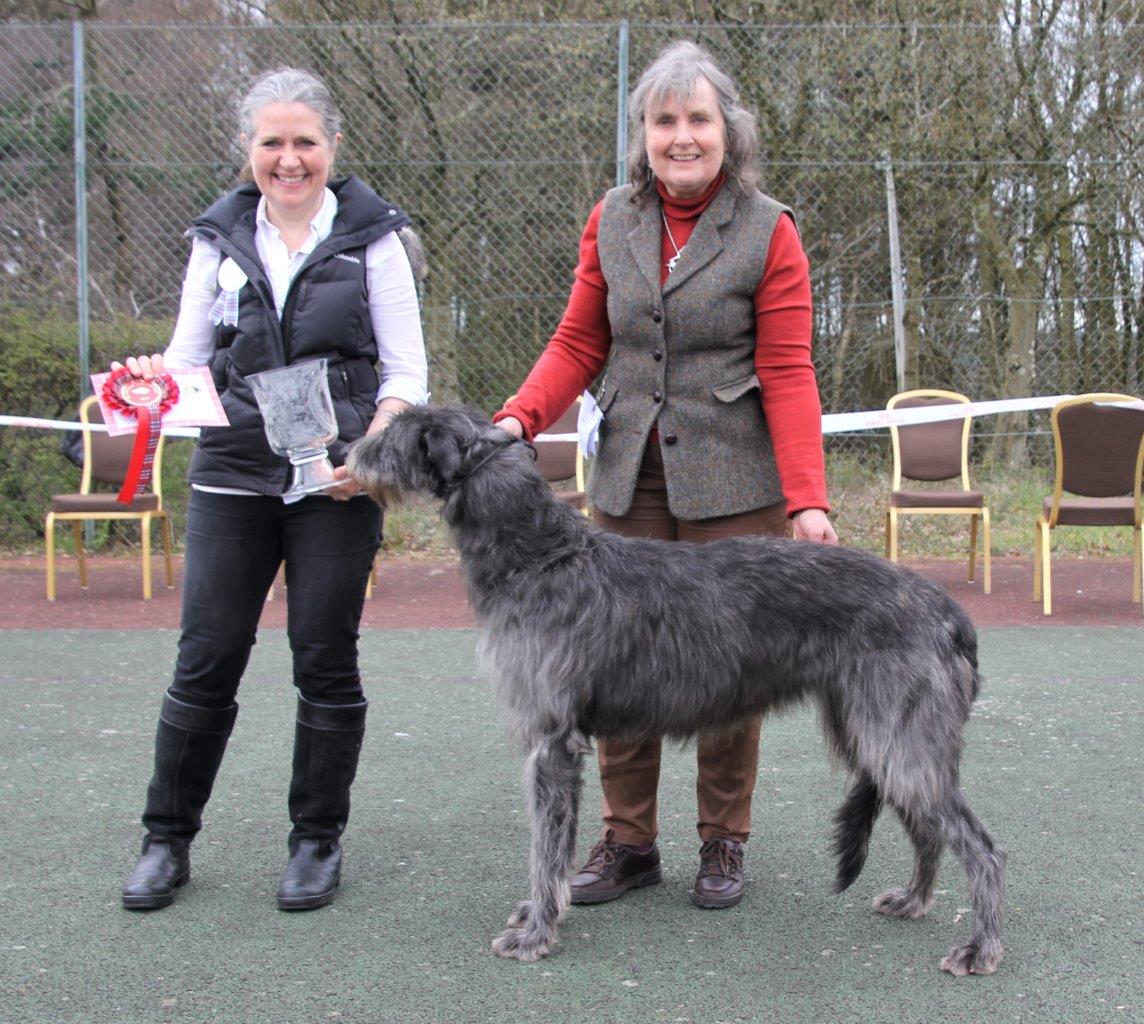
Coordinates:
[198,404]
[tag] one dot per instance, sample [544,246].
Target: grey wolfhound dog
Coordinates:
[586,633]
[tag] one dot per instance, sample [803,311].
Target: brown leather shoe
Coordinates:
[612,869]
[720,879]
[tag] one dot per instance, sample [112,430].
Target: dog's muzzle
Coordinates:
[361,462]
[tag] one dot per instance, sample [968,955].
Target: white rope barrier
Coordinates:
[41,424]
[832,423]
[878,419]
[875,419]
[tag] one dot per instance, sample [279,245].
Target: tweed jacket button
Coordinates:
[657,395]
[656,354]
[656,316]
[670,439]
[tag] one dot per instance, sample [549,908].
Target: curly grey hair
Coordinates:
[673,74]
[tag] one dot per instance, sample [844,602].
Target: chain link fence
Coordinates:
[1014,155]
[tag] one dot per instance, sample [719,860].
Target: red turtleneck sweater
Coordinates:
[579,348]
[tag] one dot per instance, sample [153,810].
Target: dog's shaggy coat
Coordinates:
[586,633]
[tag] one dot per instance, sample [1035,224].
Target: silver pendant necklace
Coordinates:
[678,251]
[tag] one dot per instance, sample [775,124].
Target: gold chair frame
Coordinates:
[894,512]
[1042,531]
[78,518]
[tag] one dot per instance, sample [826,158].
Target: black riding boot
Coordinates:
[189,745]
[327,741]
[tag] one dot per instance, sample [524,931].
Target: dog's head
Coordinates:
[428,449]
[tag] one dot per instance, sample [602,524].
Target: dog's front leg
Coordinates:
[552,780]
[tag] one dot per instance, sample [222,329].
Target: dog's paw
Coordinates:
[901,903]
[519,917]
[972,959]
[522,944]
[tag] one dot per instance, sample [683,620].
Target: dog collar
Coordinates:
[493,454]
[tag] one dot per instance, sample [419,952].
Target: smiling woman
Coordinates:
[694,290]
[290,158]
[293,266]
[685,146]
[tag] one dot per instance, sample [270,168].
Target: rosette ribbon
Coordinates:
[231,280]
[146,399]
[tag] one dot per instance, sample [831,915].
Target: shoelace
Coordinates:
[601,855]
[719,857]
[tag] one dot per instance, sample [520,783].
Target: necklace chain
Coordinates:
[678,251]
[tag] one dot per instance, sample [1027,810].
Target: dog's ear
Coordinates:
[444,454]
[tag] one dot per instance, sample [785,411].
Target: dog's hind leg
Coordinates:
[985,867]
[552,780]
[854,824]
[914,900]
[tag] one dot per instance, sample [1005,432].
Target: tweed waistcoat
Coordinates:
[683,357]
[326,316]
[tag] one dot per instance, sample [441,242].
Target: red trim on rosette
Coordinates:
[146,399]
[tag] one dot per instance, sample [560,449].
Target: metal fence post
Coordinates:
[83,308]
[79,139]
[622,106]
[896,291]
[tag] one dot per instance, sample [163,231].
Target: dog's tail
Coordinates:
[853,826]
[965,644]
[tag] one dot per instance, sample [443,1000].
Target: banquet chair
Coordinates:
[929,453]
[1098,444]
[105,461]
[558,461]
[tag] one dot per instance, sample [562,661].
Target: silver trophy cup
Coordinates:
[298,414]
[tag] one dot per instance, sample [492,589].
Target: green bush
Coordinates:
[39,377]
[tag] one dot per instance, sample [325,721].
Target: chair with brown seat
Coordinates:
[558,461]
[929,453]
[1098,440]
[105,460]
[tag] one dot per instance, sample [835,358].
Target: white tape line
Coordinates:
[31,421]
[842,422]
[876,419]
[832,423]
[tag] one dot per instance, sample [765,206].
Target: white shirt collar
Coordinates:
[320,226]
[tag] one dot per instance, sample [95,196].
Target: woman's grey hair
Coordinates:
[289,85]
[673,74]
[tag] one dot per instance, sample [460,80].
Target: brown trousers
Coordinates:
[728,764]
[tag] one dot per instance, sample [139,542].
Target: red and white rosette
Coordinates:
[146,399]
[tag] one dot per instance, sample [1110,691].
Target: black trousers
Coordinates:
[234,547]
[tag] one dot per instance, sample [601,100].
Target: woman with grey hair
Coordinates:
[293,266]
[694,290]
